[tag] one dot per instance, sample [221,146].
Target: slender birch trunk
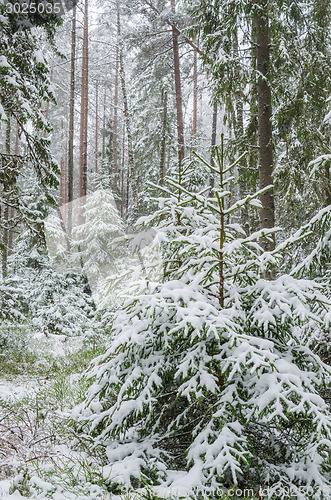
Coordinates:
[132,177]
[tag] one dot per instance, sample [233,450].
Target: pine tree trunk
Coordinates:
[123,169]
[213,143]
[164,99]
[239,134]
[71,122]
[47,103]
[5,218]
[242,166]
[12,210]
[327,191]
[84,111]
[266,160]
[104,127]
[252,129]
[178,87]
[195,100]
[115,119]
[96,125]
[62,178]
[65,191]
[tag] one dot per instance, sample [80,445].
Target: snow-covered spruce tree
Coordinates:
[54,300]
[93,235]
[211,369]
[310,257]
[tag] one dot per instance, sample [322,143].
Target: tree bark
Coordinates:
[84,111]
[178,88]
[96,125]
[5,218]
[164,98]
[62,178]
[132,178]
[266,160]
[213,144]
[71,122]
[65,191]
[239,134]
[47,103]
[195,99]
[12,210]
[327,193]
[123,168]
[104,128]
[115,119]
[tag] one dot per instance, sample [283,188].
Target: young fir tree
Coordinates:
[92,238]
[211,368]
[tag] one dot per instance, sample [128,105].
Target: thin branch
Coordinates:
[174,26]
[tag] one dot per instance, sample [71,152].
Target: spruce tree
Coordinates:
[212,368]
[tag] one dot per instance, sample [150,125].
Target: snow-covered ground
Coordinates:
[36,439]
[40,454]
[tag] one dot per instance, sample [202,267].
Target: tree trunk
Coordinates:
[12,210]
[267,214]
[71,122]
[84,111]
[164,98]
[47,103]
[62,178]
[123,168]
[213,144]
[115,119]
[239,135]
[65,191]
[178,87]
[195,100]
[104,128]
[327,193]
[242,166]
[96,125]
[132,178]
[5,218]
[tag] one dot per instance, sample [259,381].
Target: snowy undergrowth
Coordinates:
[41,454]
[41,380]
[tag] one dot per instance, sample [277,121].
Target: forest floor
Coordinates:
[42,455]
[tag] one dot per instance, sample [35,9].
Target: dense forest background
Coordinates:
[165,217]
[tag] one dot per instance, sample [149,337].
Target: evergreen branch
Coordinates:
[174,27]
